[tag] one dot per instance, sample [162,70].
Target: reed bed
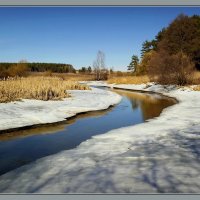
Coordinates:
[129,80]
[40,88]
[66,76]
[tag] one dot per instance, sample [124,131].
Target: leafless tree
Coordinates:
[99,66]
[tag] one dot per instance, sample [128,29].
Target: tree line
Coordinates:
[173,55]
[87,70]
[22,67]
[54,67]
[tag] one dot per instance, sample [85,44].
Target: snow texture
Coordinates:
[162,155]
[31,112]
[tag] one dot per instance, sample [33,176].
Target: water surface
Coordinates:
[21,147]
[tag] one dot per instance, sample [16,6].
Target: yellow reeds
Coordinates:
[129,80]
[41,88]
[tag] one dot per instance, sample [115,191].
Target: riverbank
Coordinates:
[160,156]
[27,113]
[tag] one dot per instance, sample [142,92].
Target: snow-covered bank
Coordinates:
[162,155]
[31,112]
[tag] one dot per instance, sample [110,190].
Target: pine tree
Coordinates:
[147,46]
[89,69]
[134,63]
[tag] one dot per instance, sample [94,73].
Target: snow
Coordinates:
[31,112]
[162,155]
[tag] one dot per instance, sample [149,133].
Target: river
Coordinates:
[22,147]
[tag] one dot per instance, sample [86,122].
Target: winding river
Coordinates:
[21,147]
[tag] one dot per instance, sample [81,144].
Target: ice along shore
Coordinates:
[27,113]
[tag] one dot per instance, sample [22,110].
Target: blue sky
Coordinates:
[74,34]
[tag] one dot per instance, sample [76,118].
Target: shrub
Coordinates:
[170,69]
[4,74]
[104,74]
[20,69]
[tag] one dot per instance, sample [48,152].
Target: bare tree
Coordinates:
[96,70]
[99,66]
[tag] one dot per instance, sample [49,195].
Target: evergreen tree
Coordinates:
[89,69]
[146,47]
[82,70]
[134,63]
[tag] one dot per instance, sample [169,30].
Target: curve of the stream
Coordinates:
[25,146]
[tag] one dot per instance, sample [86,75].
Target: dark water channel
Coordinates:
[21,147]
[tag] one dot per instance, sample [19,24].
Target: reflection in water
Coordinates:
[150,104]
[50,128]
[21,147]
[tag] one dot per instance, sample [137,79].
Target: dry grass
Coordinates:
[196,80]
[196,74]
[41,88]
[196,88]
[196,77]
[79,77]
[129,80]
[66,76]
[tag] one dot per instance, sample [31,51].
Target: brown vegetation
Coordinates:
[129,80]
[41,88]
[65,76]
[196,88]
[196,77]
[173,55]
[144,64]
[100,71]
[20,69]
[170,69]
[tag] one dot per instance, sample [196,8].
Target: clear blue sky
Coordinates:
[74,34]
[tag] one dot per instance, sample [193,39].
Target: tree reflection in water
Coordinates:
[151,105]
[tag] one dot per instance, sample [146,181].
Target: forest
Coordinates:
[173,55]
